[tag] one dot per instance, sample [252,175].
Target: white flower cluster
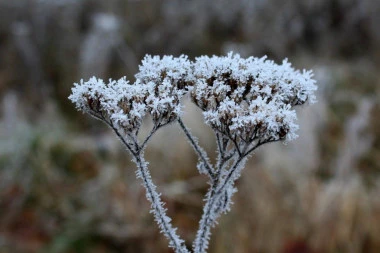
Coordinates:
[250,98]
[118,101]
[158,89]
[166,78]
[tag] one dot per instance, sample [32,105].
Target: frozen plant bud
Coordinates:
[166,80]
[251,98]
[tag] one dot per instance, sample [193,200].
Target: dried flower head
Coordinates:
[251,98]
[116,101]
[166,78]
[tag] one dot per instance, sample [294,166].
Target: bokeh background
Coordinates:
[68,185]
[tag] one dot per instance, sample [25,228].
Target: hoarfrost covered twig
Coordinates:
[204,167]
[158,209]
[247,103]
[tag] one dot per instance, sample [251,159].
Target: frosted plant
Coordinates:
[246,102]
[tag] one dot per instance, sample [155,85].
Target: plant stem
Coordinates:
[157,206]
[198,149]
[209,216]
[158,209]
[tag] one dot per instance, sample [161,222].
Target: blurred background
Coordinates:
[68,185]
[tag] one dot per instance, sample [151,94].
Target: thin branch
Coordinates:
[221,154]
[158,207]
[198,149]
[137,130]
[234,168]
[112,126]
[225,142]
[209,216]
[152,195]
[258,144]
[236,145]
[211,210]
[219,144]
[133,138]
[230,175]
[230,155]
[133,152]
[154,129]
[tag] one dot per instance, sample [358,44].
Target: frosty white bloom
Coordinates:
[166,78]
[250,98]
[94,96]
[116,101]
